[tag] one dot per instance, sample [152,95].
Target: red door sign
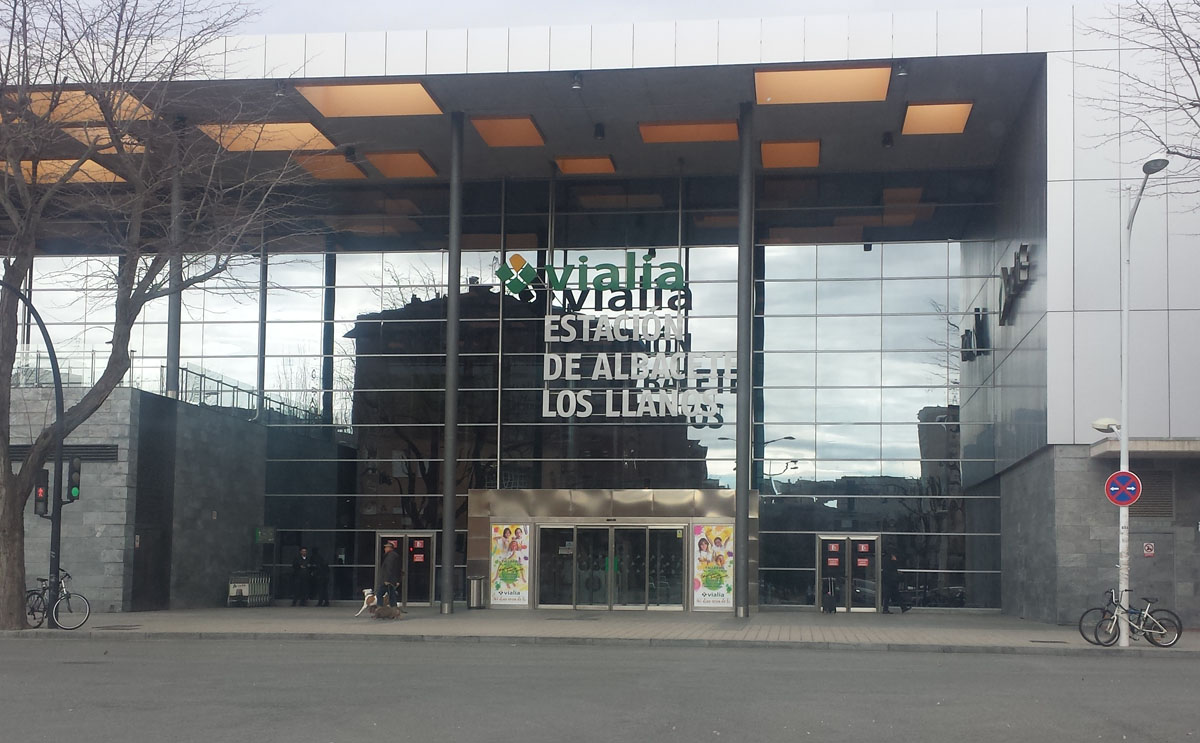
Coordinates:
[1123,488]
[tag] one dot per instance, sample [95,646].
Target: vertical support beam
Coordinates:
[745,361]
[327,335]
[175,280]
[261,359]
[450,445]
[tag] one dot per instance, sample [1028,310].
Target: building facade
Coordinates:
[872,259]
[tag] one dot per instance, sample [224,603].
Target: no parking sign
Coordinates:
[1123,488]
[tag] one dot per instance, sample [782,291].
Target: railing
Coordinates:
[197,386]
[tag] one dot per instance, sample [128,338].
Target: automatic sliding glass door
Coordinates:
[592,553]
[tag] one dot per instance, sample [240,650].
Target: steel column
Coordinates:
[450,444]
[745,361]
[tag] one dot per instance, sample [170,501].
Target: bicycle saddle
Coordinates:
[1150,600]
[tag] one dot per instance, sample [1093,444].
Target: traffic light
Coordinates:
[41,493]
[73,480]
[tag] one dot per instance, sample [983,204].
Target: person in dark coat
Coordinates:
[891,584]
[301,578]
[320,578]
[392,570]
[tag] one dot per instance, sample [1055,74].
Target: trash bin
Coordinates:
[477,594]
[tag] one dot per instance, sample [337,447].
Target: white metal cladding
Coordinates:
[946,31]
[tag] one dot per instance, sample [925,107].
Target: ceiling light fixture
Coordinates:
[936,118]
[889,140]
[822,85]
[798,154]
[343,100]
[280,89]
[508,131]
[901,69]
[688,131]
[598,132]
[588,165]
[577,81]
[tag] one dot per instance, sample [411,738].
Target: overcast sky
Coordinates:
[311,16]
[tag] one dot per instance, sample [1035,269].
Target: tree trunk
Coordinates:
[12,558]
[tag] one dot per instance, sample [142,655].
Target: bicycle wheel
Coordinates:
[1169,632]
[1088,621]
[1107,631]
[35,608]
[71,611]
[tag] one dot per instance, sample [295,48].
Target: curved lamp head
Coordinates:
[1152,166]
[1107,425]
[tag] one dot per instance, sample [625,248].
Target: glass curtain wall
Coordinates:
[622,377]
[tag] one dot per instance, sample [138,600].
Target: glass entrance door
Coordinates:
[611,567]
[666,567]
[556,565]
[592,566]
[848,571]
[417,558]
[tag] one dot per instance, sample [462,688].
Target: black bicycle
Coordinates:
[70,609]
[1091,618]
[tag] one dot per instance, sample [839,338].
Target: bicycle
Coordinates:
[70,609]
[1092,617]
[1160,627]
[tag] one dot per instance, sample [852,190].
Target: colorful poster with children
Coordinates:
[510,564]
[712,566]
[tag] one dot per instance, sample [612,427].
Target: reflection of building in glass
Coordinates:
[399,402]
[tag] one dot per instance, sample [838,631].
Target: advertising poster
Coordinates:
[510,564]
[712,570]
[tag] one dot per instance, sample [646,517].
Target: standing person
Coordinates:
[392,570]
[891,584]
[320,578]
[301,578]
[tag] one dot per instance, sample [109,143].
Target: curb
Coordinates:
[890,647]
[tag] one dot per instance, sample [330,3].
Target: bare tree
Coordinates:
[1156,98]
[107,150]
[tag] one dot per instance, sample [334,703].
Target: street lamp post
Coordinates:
[56,503]
[1149,168]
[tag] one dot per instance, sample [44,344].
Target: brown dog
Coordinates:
[385,610]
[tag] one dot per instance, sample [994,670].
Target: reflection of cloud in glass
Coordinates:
[916,259]
[789,406]
[848,297]
[847,261]
[789,369]
[903,404]
[710,264]
[848,442]
[789,333]
[848,333]
[848,405]
[915,295]
[789,298]
[710,300]
[849,369]
[915,368]
[790,261]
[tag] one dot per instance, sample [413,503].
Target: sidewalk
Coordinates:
[916,631]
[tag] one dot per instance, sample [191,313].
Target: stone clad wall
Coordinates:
[97,531]
[220,467]
[220,481]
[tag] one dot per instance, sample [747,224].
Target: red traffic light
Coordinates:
[41,493]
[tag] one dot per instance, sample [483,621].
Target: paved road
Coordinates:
[356,691]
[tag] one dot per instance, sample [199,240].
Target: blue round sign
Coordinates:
[1123,488]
